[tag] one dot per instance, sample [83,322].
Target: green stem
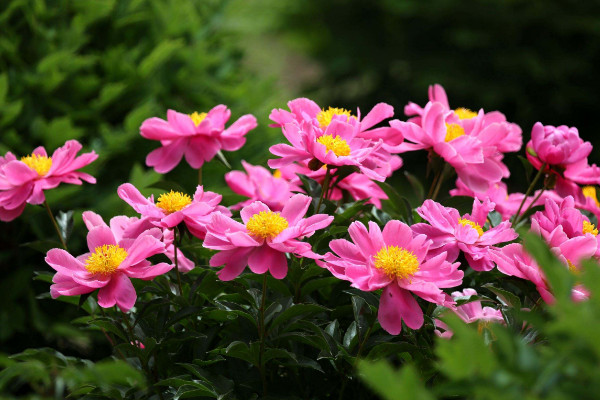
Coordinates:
[175,230]
[438,186]
[529,190]
[62,240]
[324,188]
[434,183]
[200,176]
[261,332]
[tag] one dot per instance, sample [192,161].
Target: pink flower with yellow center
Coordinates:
[397,261]
[24,180]
[263,238]
[175,207]
[197,136]
[110,263]
[333,137]
[452,233]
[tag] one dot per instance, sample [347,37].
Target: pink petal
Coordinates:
[119,291]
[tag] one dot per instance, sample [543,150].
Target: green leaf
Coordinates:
[504,296]
[393,385]
[297,311]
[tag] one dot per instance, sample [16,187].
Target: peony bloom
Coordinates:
[452,233]
[513,260]
[175,207]
[263,239]
[470,312]
[24,181]
[260,185]
[397,261]
[109,265]
[129,228]
[561,221]
[564,152]
[473,143]
[198,137]
[306,110]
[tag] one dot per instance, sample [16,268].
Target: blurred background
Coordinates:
[93,70]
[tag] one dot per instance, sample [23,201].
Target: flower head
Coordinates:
[452,233]
[397,261]
[175,207]
[198,137]
[24,180]
[263,239]
[113,259]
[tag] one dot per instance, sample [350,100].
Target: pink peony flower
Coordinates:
[259,185]
[510,139]
[513,260]
[564,152]
[452,233]
[198,137]
[112,260]
[175,207]
[263,239]
[129,228]
[395,260]
[306,110]
[24,181]
[470,312]
[561,221]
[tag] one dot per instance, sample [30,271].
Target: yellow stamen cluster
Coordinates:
[336,144]
[277,174]
[325,116]
[453,131]
[590,192]
[396,262]
[474,225]
[173,201]
[105,259]
[266,224]
[465,113]
[197,117]
[40,164]
[572,267]
[589,228]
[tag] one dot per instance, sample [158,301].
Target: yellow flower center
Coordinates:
[396,262]
[173,201]
[336,144]
[325,116]
[474,225]
[453,131]
[277,174]
[105,259]
[266,224]
[197,117]
[590,192]
[589,228]
[465,113]
[40,164]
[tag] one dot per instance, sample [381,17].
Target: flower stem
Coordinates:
[175,230]
[261,332]
[324,188]
[438,185]
[529,190]
[62,240]
[200,176]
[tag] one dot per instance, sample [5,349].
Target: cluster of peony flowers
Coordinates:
[411,264]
